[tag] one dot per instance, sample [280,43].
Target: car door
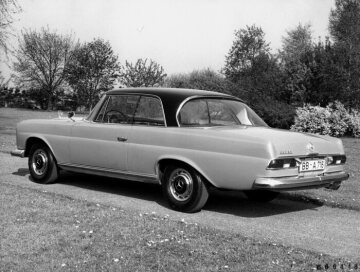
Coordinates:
[101,142]
[147,139]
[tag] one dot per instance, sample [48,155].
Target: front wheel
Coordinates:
[261,195]
[42,164]
[184,188]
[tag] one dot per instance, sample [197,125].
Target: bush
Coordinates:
[312,119]
[275,113]
[338,119]
[334,120]
[354,124]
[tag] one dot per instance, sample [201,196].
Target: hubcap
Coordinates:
[181,184]
[39,162]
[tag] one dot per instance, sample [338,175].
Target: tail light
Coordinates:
[283,164]
[336,160]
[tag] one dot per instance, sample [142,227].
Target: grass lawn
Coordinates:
[41,231]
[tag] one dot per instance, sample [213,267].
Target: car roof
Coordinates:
[171,98]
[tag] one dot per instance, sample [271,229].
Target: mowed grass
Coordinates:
[348,196]
[42,231]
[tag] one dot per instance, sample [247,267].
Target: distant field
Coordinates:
[348,196]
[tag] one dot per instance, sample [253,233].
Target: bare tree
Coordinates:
[142,74]
[8,8]
[41,59]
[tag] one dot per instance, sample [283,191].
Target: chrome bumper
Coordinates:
[18,153]
[328,180]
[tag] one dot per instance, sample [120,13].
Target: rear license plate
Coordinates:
[313,165]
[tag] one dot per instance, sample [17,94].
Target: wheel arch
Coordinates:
[171,160]
[33,140]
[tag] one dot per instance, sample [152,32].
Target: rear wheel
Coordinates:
[184,188]
[261,195]
[42,164]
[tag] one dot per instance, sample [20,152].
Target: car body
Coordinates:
[185,140]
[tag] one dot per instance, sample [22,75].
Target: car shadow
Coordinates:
[21,172]
[227,202]
[236,203]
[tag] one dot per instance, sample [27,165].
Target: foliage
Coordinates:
[8,8]
[312,119]
[205,79]
[249,44]
[275,113]
[334,120]
[344,26]
[354,123]
[41,59]
[296,44]
[142,74]
[92,69]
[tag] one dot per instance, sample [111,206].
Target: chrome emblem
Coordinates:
[285,152]
[310,147]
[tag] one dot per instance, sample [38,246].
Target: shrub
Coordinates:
[354,124]
[338,119]
[334,120]
[312,119]
[275,113]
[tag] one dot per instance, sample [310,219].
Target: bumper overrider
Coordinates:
[327,180]
[18,153]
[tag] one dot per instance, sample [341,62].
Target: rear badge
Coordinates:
[310,148]
[285,152]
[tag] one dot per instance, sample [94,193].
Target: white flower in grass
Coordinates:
[116,260]
[63,265]
[91,231]
[226,266]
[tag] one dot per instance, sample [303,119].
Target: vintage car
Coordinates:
[185,140]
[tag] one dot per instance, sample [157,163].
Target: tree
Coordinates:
[296,44]
[344,25]
[250,65]
[93,68]
[249,44]
[8,8]
[142,74]
[41,59]
[205,79]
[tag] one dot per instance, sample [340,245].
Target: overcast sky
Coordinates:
[181,35]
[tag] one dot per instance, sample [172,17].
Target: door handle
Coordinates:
[121,139]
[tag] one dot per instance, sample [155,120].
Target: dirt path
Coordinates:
[303,225]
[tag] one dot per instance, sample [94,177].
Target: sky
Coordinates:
[180,35]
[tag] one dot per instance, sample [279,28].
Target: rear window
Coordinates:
[217,112]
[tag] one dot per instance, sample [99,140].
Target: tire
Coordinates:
[184,188]
[42,164]
[261,195]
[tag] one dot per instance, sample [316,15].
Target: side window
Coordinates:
[221,114]
[149,112]
[194,113]
[120,109]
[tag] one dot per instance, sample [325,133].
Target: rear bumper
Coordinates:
[18,153]
[328,180]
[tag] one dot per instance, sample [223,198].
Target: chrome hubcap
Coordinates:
[181,184]
[39,162]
